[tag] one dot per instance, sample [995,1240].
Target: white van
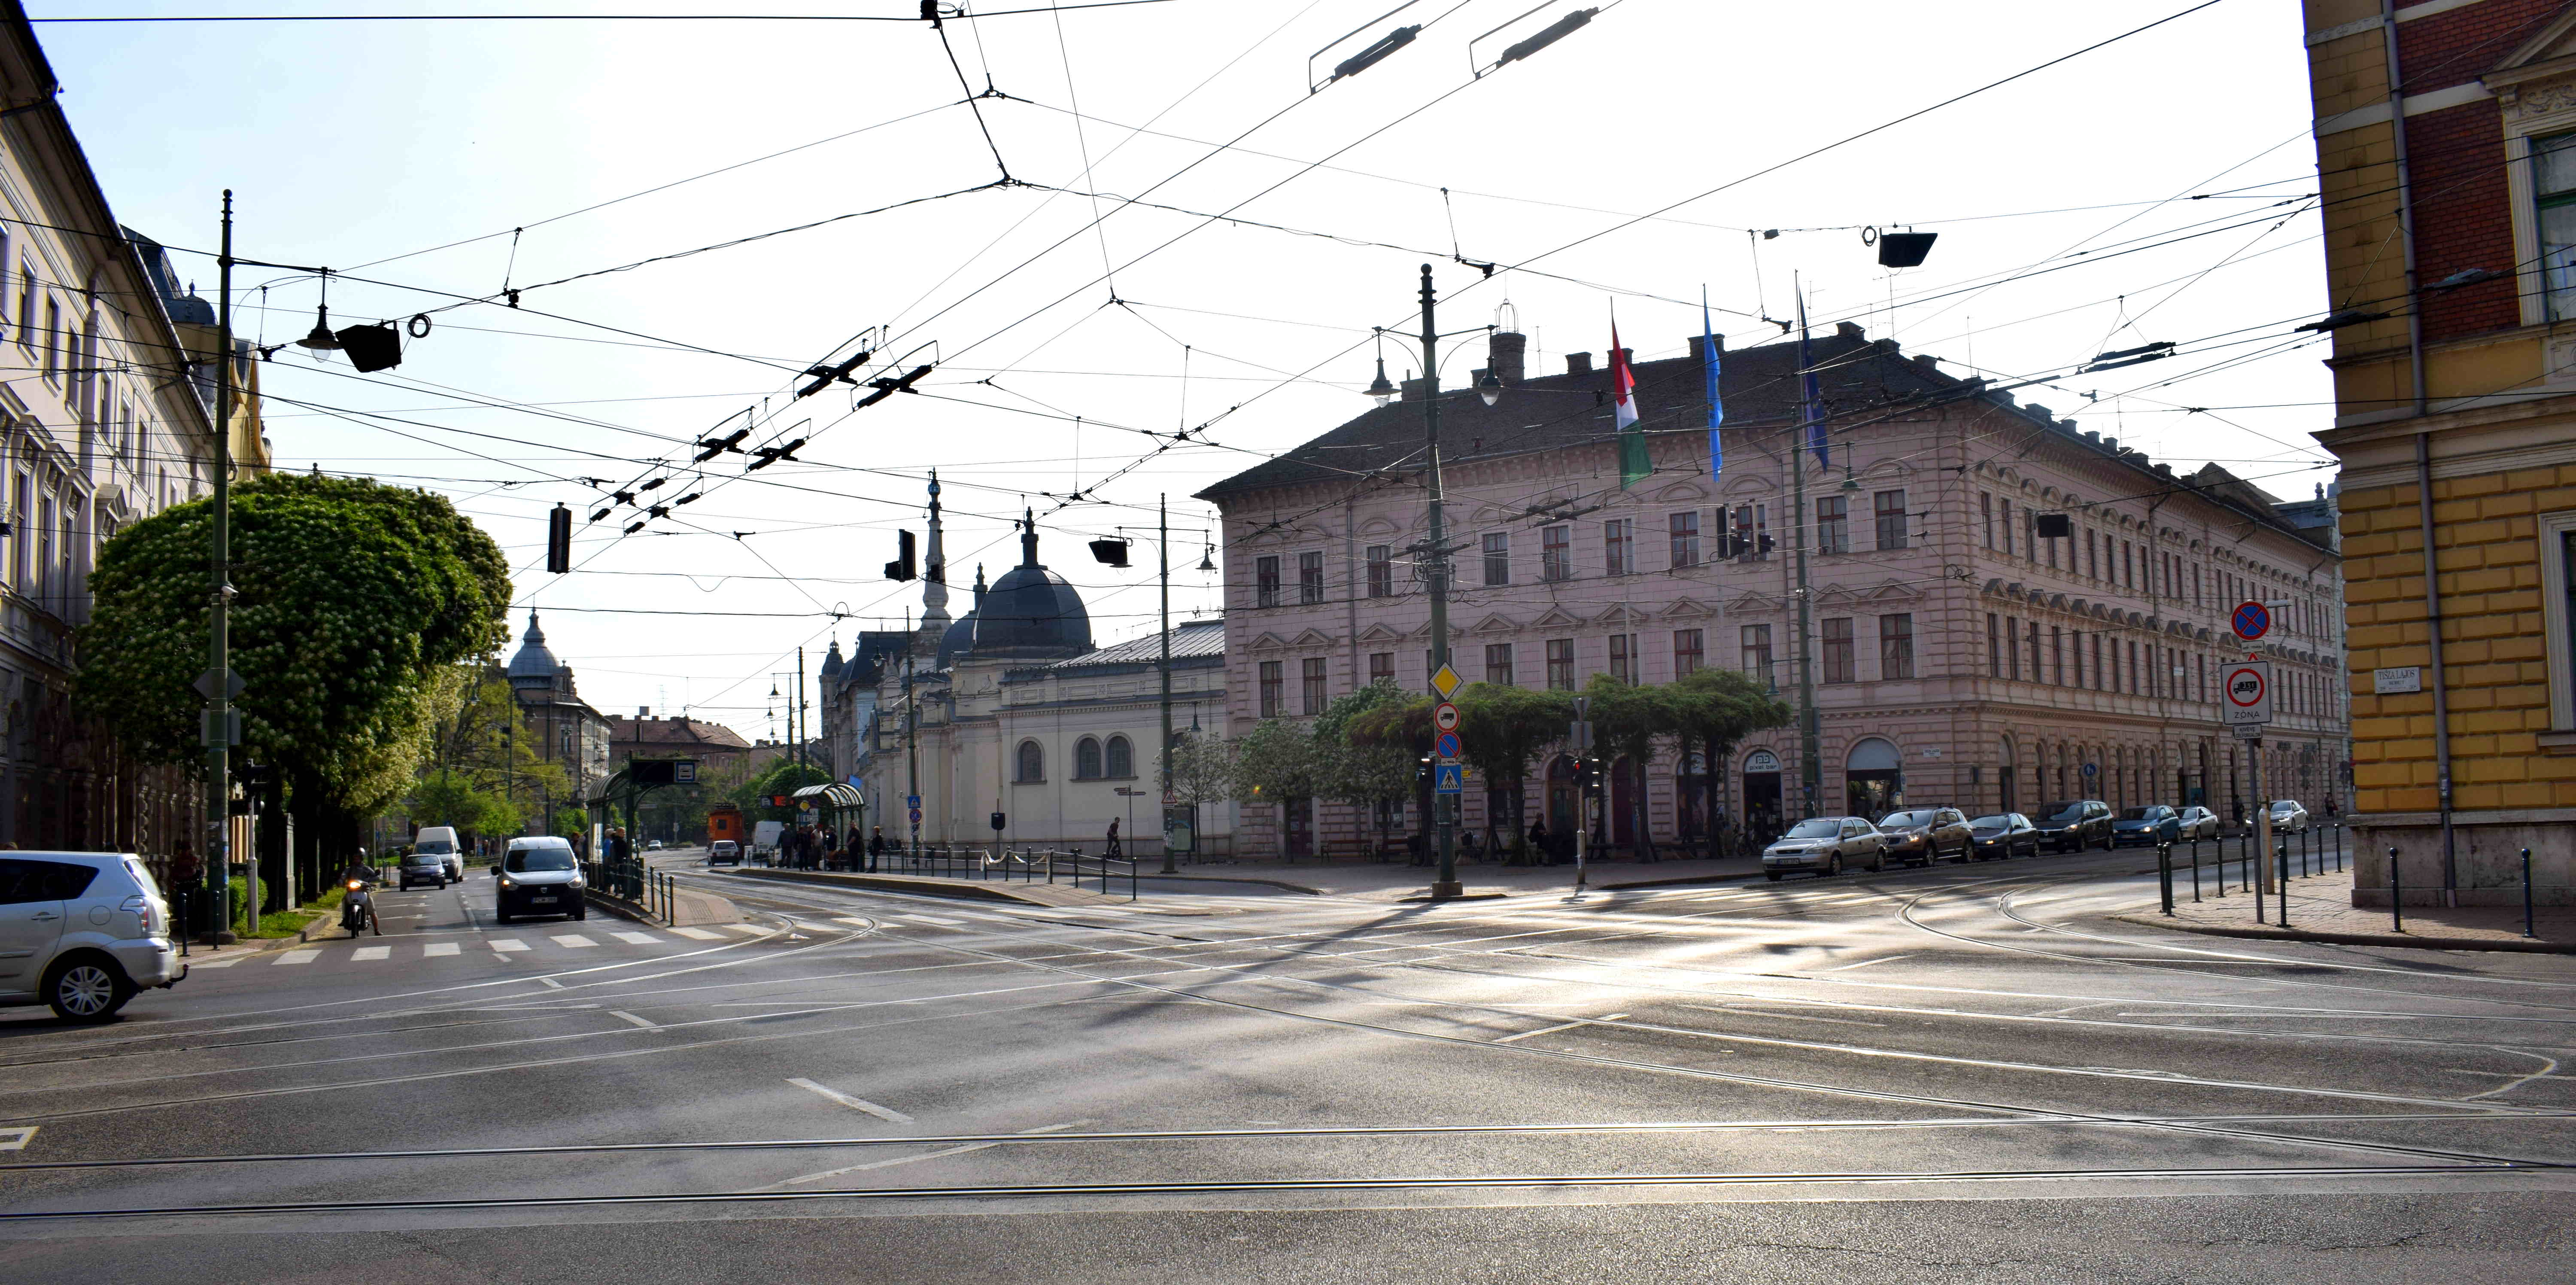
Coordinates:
[440,841]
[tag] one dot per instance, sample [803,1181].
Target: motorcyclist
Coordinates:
[358,910]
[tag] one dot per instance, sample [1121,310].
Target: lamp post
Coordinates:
[1446,885]
[217,685]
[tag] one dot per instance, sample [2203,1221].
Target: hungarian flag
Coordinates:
[1634,463]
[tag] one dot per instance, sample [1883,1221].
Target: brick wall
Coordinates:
[2463,218]
[2460,45]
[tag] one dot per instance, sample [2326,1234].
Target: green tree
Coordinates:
[1627,720]
[1369,776]
[349,597]
[1202,769]
[484,776]
[782,776]
[1714,710]
[1501,732]
[1276,762]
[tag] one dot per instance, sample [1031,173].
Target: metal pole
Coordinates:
[2164,874]
[2526,894]
[2396,895]
[1810,772]
[1446,884]
[2283,866]
[1163,530]
[2195,869]
[219,703]
[911,754]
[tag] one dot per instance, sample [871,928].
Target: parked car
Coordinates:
[1824,845]
[2288,816]
[538,876]
[2003,835]
[2200,823]
[2074,824]
[83,932]
[2155,823]
[423,867]
[1922,836]
[724,852]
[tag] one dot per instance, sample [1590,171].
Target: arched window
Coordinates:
[1086,760]
[1032,762]
[1122,758]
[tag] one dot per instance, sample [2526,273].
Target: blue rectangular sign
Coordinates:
[1451,778]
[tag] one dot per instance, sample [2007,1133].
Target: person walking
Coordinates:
[1538,842]
[876,847]
[1114,849]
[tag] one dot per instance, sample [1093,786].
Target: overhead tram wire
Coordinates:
[587,17]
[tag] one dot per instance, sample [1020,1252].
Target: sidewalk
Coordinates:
[2321,909]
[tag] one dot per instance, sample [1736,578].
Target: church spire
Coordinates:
[934,572]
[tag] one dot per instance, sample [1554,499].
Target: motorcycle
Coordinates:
[358,911]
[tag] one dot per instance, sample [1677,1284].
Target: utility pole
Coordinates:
[1810,772]
[218,732]
[796,718]
[911,753]
[1163,553]
[1447,884]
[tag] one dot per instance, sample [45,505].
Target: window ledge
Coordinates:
[2558,742]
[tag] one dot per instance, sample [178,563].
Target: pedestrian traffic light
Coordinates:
[902,568]
[559,541]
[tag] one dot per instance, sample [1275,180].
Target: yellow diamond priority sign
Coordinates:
[1445,682]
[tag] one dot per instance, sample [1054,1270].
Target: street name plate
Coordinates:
[2397,680]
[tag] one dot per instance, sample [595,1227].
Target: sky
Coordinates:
[744,199]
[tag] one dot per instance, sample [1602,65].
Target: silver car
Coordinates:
[2200,823]
[2288,815]
[82,931]
[1823,845]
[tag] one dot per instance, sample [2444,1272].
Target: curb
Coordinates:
[1464,896]
[1271,883]
[1685,882]
[618,906]
[2410,940]
[975,891]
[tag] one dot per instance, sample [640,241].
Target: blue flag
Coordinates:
[1807,376]
[1716,407]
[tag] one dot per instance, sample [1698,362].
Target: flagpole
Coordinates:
[1810,772]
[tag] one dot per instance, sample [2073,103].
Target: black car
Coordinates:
[1921,836]
[2074,824]
[2004,835]
[2152,824]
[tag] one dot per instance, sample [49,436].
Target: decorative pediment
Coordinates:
[1497,623]
[1269,642]
[1620,614]
[1753,604]
[1747,485]
[1686,609]
[2550,52]
[2057,600]
[1993,587]
[1835,595]
[1314,638]
[1557,618]
[1681,493]
[1380,526]
[1893,591]
[1889,470]
[1381,632]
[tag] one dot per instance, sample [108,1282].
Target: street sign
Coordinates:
[1582,708]
[2251,621]
[1444,717]
[916,816]
[1449,778]
[2247,685]
[2249,731]
[1446,682]
[231,681]
[684,772]
[2090,769]
[912,801]
[1583,735]
[2397,681]
[1445,745]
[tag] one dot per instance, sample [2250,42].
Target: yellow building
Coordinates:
[2446,142]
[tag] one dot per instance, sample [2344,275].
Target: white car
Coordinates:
[1824,845]
[653,845]
[82,931]
[2288,816]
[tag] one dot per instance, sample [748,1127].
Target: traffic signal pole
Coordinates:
[1446,885]
[219,704]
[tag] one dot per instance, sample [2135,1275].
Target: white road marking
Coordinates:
[637,939]
[551,982]
[1786,1017]
[650,1026]
[697,934]
[574,941]
[194,965]
[1883,959]
[853,921]
[888,1114]
[934,919]
[299,957]
[1566,1026]
[926,1155]
[438,948]
[507,944]
[16,1137]
[367,953]
[749,929]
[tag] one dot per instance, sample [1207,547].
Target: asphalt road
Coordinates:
[1959,1074]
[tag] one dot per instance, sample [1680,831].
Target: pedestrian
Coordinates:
[1114,849]
[1538,842]
[876,846]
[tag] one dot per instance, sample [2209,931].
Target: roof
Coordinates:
[534,666]
[683,732]
[1031,612]
[1197,638]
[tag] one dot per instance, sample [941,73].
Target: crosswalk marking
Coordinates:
[574,940]
[749,929]
[507,944]
[697,934]
[195,964]
[438,948]
[372,952]
[299,957]
[853,921]
[637,939]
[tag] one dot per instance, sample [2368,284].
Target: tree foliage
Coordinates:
[485,773]
[350,596]
[1276,762]
[1202,769]
[1361,773]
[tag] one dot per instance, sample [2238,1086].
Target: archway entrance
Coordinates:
[1563,797]
[1873,778]
[1690,797]
[1762,794]
[2006,772]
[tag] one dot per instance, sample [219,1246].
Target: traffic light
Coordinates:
[1110,552]
[1763,546]
[902,568]
[559,541]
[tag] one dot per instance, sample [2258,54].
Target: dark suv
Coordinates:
[1922,836]
[2075,824]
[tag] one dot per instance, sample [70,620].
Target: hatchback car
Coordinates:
[2074,824]
[83,932]
[2200,823]
[2003,835]
[724,852]
[538,876]
[2288,815]
[2155,823]
[1824,845]
[424,867]
[1925,835]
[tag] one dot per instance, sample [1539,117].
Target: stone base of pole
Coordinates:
[1448,888]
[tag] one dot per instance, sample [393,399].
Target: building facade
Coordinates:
[106,417]
[1958,655]
[559,724]
[2446,138]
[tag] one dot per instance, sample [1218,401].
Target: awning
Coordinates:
[834,795]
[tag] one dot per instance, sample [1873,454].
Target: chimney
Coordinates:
[1578,363]
[1629,355]
[1699,347]
[643,713]
[1506,354]
[1927,361]
[1850,330]
[1412,390]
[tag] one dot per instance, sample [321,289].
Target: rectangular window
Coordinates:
[2128,568]
[2553,190]
[1684,528]
[1690,649]
[1498,664]
[2037,674]
[1381,667]
[1889,508]
[1986,515]
[1896,646]
[2133,669]
[1623,657]
[1619,546]
[1498,557]
[2012,648]
[1560,664]
[1273,687]
[1556,553]
[1833,525]
[2078,649]
[1265,581]
[19,515]
[1381,571]
[2007,525]
[1757,652]
[1311,684]
[26,305]
[2092,557]
[45,548]
[1994,646]
[53,339]
[2195,586]
[2097,662]
[1310,578]
[1838,650]
[2057,655]
[1761,530]
[2052,548]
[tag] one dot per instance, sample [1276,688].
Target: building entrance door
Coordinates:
[1301,827]
[1873,779]
[1623,802]
[1561,797]
[1762,795]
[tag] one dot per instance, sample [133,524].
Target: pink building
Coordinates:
[1959,655]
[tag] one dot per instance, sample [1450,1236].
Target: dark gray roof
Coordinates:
[1031,613]
[1194,639]
[534,666]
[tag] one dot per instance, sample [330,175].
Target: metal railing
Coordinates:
[656,892]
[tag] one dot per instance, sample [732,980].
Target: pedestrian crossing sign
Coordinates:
[1446,682]
[1451,778]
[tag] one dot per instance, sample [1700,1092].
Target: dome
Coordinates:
[832,662]
[534,668]
[960,638]
[1031,612]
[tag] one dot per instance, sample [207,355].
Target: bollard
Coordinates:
[2283,863]
[2195,869]
[2526,894]
[2164,875]
[2396,896]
